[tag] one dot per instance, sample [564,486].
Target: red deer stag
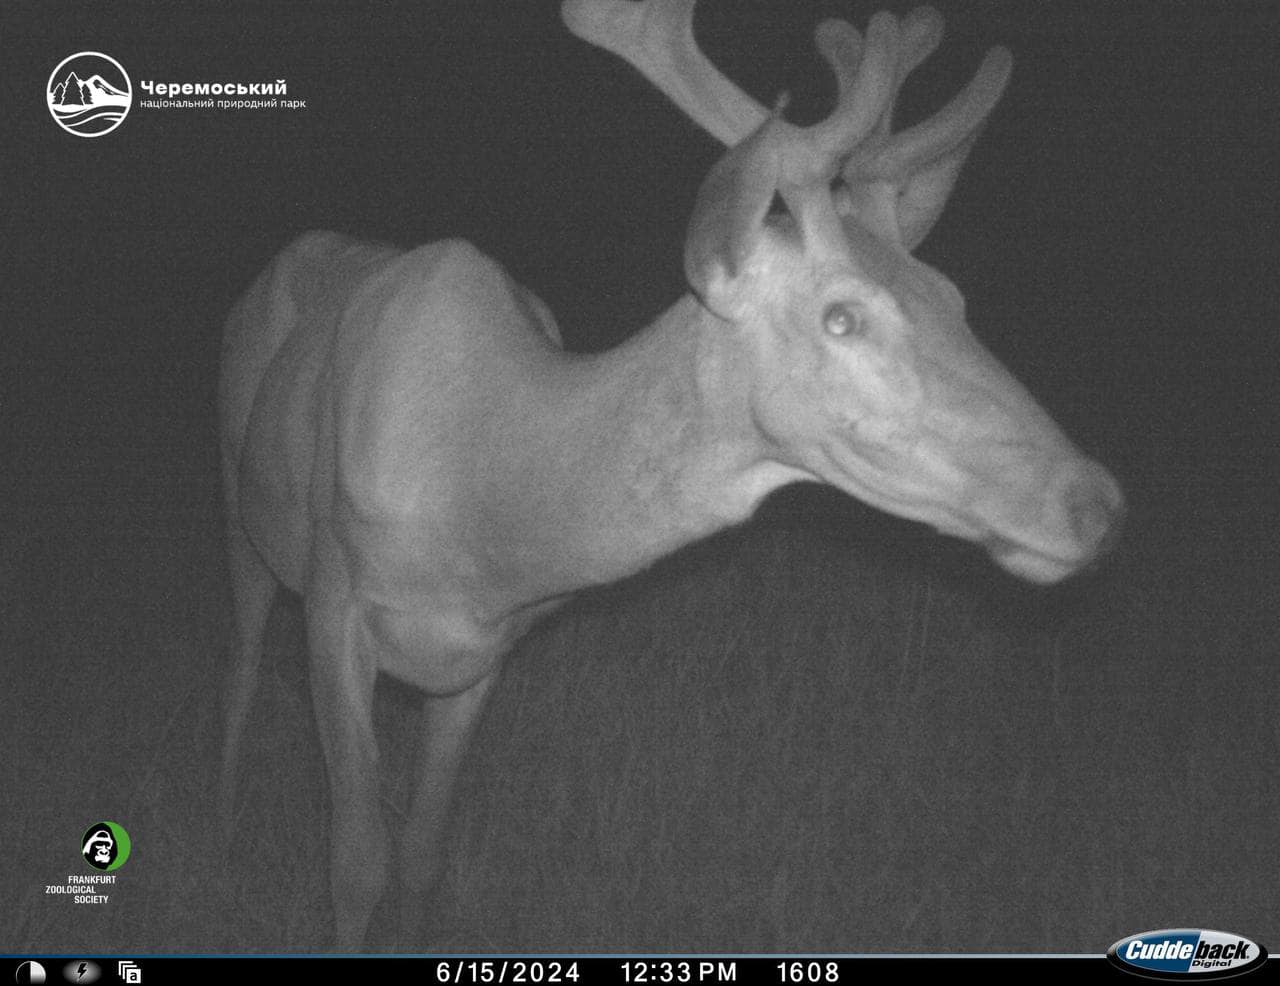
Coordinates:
[407,446]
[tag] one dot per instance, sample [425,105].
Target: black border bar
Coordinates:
[581,970]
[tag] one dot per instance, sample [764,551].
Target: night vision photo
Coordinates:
[641,476]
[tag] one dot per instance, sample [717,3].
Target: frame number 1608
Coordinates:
[808,972]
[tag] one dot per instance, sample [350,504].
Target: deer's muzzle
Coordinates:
[1082,517]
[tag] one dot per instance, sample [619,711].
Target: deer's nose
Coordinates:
[1095,509]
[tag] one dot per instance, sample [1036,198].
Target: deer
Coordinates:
[407,445]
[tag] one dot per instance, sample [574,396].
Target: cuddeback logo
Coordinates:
[1186,953]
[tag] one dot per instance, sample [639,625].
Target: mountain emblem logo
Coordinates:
[89,94]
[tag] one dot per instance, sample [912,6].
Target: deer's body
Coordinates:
[465,505]
[380,470]
[427,512]
[406,445]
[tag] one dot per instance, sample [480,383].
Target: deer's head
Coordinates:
[864,372]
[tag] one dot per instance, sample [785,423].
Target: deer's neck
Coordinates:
[628,455]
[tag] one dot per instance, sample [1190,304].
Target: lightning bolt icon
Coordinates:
[80,971]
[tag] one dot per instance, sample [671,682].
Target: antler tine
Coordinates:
[894,157]
[901,181]
[903,153]
[840,44]
[656,36]
[841,47]
[921,35]
[865,75]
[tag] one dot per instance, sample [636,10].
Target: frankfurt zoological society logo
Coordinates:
[89,94]
[106,846]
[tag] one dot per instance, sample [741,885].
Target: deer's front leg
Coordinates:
[448,723]
[342,681]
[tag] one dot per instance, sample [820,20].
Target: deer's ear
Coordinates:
[728,219]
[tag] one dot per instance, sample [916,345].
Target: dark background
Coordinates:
[828,729]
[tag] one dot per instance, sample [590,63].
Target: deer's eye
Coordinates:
[841,320]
